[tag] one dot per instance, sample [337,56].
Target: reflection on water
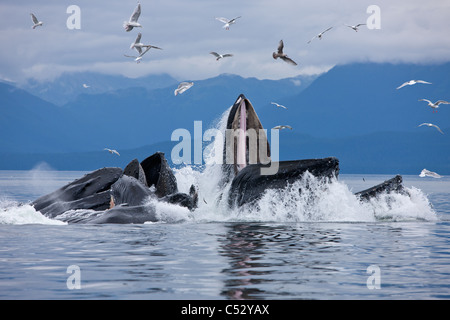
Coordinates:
[264,259]
[244,248]
[330,260]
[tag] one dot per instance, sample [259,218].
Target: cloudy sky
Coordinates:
[410,31]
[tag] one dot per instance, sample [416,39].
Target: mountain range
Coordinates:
[353,112]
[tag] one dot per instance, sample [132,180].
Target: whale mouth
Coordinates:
[245,140]
[241,156]
[158,174]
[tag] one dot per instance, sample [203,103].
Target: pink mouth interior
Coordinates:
[241,150]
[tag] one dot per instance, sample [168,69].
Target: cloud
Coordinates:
[411,31]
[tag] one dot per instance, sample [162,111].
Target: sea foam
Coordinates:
[15,213]
[308,199]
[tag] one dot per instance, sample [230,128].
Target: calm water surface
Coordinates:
[225,260]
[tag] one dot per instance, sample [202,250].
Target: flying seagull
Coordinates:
[138,45]
[112,151]
[86,86]
[320,35]
[431,125]
[220,56]
[182,87]
[281,55]
[36,22]
[278,105]
[436,104]
[227,22]
[132,23]
[427,173]
[282,127]
[139,57]
[356,27]
[413,82]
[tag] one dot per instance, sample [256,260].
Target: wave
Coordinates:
[14,213]
[320,201]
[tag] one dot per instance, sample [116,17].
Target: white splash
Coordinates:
[14,213]
[320,201]
[168,212]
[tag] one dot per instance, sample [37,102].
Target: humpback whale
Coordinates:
[113,195]
[246,170]
[88,192]
[250,155]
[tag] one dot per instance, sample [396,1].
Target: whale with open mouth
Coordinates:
[248,163]
[247,158]
[113,195]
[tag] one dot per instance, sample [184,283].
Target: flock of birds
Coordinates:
[280,54]
[137,44]
[142,49]
[434,106]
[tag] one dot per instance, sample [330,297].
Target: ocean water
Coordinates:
[319,245]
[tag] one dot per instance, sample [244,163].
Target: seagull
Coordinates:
[356,27]
[36,22]
[431,125]
[320,35]
[138,45]
[282,55]
[413,82]
[112,151]
[282,127]
[86,86]
[436,104]
[220,56]
[139,57]
[428,173]
[278,105]
[132,23]
[182,87]
[227,22]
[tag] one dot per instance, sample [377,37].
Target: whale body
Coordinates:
[113,195]
[246,157]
